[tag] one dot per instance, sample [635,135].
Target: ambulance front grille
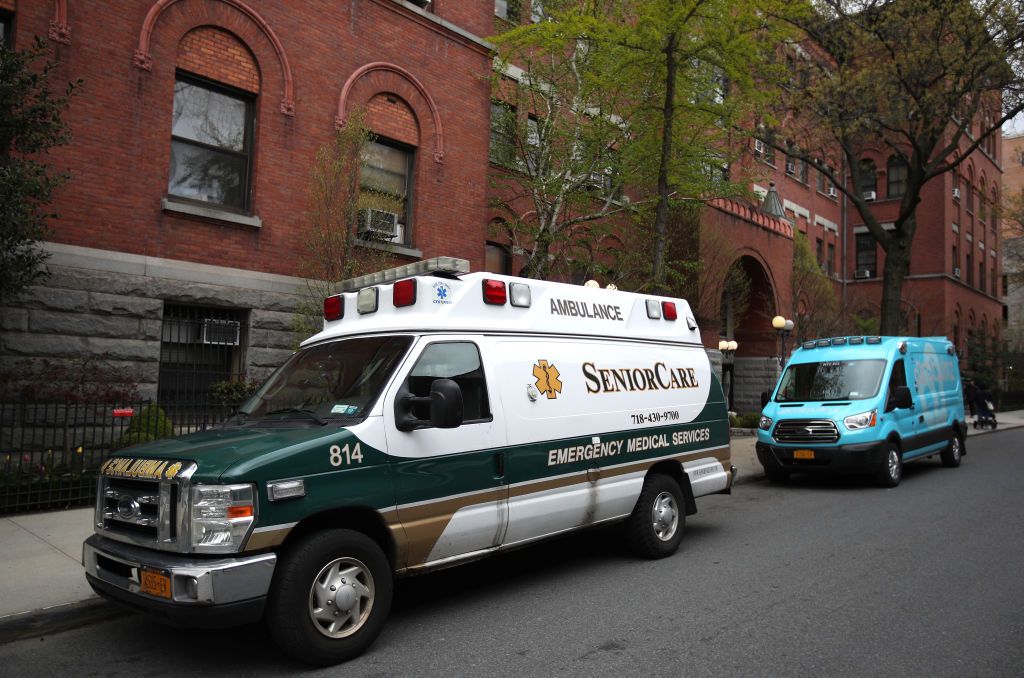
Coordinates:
[806,431]
[145,512]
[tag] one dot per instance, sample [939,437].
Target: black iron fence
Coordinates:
[50,453]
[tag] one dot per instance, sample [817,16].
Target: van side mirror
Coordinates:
[901,398]
[445,401]
[764,399]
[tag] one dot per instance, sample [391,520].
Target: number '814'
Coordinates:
[343,456]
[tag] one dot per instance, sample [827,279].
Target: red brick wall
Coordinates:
[121,122]
[389,116]
[218,55]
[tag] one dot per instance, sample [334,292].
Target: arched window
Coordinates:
[389,170]
[982,211]
[896,177]
[868,177]
[969,188]
[215,90]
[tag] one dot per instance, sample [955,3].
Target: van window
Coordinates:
[460,362]
[831,380]
[896,379]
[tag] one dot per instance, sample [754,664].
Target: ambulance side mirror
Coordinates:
[445,402]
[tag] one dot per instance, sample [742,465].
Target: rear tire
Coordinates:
[331,596]
[953,452]
[891,472]
[655,528]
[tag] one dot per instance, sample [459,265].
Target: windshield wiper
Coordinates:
[298,410]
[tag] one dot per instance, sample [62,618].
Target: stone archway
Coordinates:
[755,366]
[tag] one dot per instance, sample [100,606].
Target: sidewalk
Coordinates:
[43,588]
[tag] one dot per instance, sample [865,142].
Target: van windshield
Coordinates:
[330,381]
[832,380]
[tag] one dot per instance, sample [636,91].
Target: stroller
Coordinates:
[984,411]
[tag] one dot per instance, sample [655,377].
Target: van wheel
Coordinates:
[954,450]
[891,472]
[655,527]
[331,596]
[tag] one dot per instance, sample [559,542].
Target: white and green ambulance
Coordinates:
[439,417]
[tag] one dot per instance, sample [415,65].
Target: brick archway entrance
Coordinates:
[755,367]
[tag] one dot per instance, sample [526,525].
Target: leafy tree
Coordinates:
[814,294]
[335,250]
[924,82]
[672,77]
[30,125]
[558,132]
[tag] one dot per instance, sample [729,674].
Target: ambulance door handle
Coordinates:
[499,465]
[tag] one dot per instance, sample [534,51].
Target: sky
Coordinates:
[1015,126]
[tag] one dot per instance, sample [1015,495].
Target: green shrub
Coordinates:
[745,420]
[229,392]
[151,423]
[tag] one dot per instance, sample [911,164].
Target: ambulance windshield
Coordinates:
[832,380]
[325,382]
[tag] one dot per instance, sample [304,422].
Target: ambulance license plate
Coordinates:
[803,454]
[155,583]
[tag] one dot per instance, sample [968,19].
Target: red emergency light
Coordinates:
[404,292]
[494,292]
[334,307]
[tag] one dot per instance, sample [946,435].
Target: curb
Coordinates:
[56,619]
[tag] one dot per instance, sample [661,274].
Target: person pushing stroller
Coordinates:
[983,409]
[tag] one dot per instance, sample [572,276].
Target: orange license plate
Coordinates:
[155,583]
[803,454]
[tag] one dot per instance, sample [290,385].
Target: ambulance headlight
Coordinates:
[863,420]
[764,423]
[220,517]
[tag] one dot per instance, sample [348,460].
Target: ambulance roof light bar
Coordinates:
[445,266]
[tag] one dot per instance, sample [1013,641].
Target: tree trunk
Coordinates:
[658,273]
[897,262]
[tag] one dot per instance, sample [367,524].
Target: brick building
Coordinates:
[1013,292]
[181,232]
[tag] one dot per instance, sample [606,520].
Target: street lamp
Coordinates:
[783,326]
[726,346]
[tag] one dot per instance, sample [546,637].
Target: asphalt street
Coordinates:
[815,577]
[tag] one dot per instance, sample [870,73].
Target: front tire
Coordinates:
[953,452]
[655,528]
[331,596]
[891,472]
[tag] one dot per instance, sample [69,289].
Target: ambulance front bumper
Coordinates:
[202,592]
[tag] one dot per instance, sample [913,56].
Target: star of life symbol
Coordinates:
[548,382]
[442,292]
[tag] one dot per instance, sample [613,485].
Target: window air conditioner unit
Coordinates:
[378,224]
[956,194]
[758,146]
[832,192]
[956,271]
[220,332]
[862,273]
[870,195]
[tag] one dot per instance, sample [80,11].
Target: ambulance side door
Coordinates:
[449,482]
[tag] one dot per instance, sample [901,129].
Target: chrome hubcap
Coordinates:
[341,598]
[666,517]
[894,464]
[956,447]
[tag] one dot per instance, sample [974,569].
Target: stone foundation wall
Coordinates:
[751,376]
[110,305]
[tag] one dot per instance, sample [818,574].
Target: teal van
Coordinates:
[863,405]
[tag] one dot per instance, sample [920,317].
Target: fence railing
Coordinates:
[50,453]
